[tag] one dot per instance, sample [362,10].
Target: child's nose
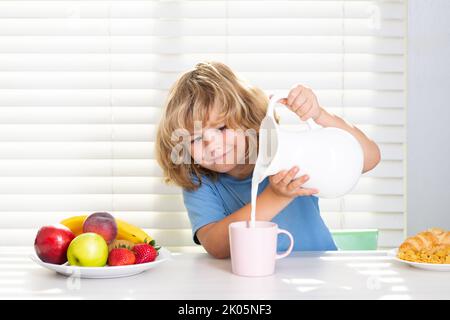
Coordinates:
[214,151]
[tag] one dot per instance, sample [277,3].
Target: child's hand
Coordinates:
[303,102]
[283,184]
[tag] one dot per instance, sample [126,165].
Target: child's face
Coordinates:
[216,147]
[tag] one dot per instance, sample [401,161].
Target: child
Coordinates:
[210,110]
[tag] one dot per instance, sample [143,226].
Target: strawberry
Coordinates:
[144,253]
[121,257]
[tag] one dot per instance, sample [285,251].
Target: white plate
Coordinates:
[420,265]
[104,272]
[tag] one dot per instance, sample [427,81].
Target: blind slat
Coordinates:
[144,219]
[257,62]
[366,220]
[201,27]
[390,238]
[198,9]
[135,44]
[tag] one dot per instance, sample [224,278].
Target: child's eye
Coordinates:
[199,138]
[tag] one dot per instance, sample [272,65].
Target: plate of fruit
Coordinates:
[97,246]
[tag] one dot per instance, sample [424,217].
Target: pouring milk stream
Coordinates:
[332,157]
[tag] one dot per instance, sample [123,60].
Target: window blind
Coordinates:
[82,84]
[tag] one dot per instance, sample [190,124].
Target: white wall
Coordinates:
[428,119]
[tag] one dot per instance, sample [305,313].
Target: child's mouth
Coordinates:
[219,158]
[222,156]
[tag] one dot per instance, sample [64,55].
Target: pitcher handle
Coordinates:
[279,95]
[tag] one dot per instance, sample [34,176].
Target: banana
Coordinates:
[125,230]
[121,244]
[75,224]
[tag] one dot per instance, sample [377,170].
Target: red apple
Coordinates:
[51,243]
[103,224]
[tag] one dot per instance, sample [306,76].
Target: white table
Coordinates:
[328,275]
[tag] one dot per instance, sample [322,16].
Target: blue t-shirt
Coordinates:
[215,200]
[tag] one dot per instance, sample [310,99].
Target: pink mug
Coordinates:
[254,250]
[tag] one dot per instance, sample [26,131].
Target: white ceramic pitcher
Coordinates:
[332,157]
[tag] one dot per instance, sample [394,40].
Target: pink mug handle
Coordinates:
[291,246]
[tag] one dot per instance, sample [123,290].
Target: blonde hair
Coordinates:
[190,99]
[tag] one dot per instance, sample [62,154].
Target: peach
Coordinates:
[103,224]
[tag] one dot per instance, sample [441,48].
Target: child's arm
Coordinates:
[303,102]
[275,197]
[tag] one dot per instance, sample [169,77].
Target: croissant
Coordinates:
[430,246]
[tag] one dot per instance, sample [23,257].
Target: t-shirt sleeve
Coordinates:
[203,207]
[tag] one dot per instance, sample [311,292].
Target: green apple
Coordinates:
[88,250]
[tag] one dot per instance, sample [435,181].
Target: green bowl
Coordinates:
[356,239]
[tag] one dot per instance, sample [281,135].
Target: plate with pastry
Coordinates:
[429,250]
